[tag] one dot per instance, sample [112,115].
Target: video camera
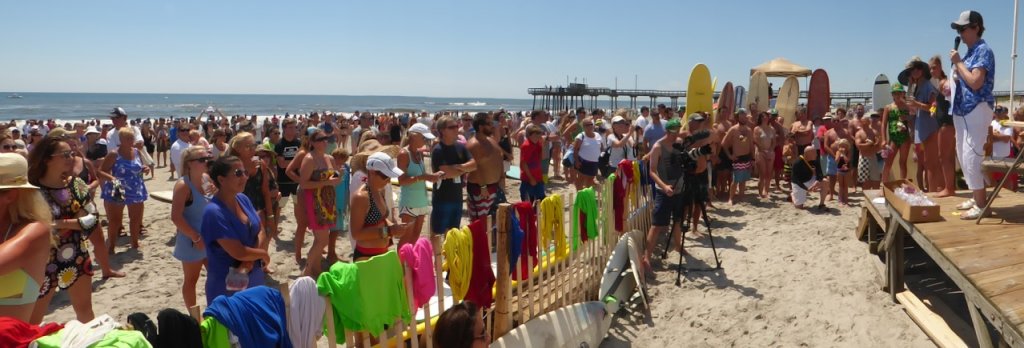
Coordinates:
[690,153]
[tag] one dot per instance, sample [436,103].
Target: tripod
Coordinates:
[687,210]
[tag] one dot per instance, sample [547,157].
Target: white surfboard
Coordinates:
[162,196]
[881,94]
[634,260]
[578,325]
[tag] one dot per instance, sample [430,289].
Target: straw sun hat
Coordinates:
[13,171]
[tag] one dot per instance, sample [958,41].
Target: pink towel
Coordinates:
[420,258]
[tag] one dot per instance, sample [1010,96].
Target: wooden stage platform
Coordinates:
[986,260]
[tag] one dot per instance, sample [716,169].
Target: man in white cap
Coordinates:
[972,105]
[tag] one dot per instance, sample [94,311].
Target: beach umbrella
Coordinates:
[781,67]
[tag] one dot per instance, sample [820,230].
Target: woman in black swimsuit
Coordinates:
[370,219]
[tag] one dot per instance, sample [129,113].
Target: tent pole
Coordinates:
[1013,58]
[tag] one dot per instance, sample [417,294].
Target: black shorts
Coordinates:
[588,168]
[287,188]
[667,209]
[724,163]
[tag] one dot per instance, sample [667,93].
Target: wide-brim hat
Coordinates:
[13,171]
[915,63]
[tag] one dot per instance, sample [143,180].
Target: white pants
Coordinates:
[971,133]
[799,194]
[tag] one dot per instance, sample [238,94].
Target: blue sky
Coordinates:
[464,48]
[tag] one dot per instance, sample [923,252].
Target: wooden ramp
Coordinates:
[986,261]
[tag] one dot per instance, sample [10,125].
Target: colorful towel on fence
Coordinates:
[627,179]
[619,188]
[15,333]
[420,259]
[215,334]
[305,313]
[585,207]
[256,315]
[366,295]
[458,260]
[481,283]
[528,224]
[552,225]
[515,245]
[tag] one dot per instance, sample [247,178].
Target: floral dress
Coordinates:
[130,189]
[320,203]
[69,258]
[897,127]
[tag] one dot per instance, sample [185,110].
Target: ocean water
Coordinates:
[72,106]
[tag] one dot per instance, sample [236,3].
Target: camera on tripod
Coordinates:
[689,154]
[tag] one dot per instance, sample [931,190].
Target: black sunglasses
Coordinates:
[9,147]
[203,159]
[961,28]
[240,173]
[319,139]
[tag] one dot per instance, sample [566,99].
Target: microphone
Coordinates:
[956,43]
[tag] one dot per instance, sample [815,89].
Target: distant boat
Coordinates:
[15,96]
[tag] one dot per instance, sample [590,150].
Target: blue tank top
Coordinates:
[194,212]
[414,195]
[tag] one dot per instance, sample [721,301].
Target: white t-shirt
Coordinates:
[426,121]
[641,122]
[617,154]
[177,148]
[113,140]
[590,148]
[1001,149]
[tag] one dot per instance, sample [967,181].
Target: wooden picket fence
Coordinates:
[555,283]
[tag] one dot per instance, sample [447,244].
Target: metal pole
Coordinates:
[1013,57]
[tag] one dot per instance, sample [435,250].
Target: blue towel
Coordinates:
[516,241]
[256,315]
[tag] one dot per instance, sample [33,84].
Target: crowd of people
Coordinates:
[233,175]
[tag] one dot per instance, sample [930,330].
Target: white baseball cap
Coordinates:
[384,164]
[421,129]
[91,130]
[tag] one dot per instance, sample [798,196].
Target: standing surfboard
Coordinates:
[727,99]
[819,95]
[699,95]
[758,93]
[740,96]
[881,93]
[788,97]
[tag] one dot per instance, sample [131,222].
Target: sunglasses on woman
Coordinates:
[9,147]
[203,160]
[319,139]
[65,154]
[239,172]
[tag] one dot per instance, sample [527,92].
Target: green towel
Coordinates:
[367,295]
[215,334]
[586,202]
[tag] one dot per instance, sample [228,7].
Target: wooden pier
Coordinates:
[578,94]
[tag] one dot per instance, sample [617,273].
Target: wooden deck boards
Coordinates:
[989,255]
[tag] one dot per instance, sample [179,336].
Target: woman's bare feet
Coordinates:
[944,193]
[113,274]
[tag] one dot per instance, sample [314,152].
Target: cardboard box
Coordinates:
[915,214]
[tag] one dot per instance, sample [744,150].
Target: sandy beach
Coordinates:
[789,278]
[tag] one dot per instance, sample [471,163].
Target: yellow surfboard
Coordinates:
[699,94]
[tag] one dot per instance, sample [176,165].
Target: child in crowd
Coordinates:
[842,149]
[341,197]
[531,184]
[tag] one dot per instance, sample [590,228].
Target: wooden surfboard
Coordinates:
[758,92]
[699,95]
[727,99]
[788,97]
[881,94]
[819,96]
[740,96]
[578,325]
